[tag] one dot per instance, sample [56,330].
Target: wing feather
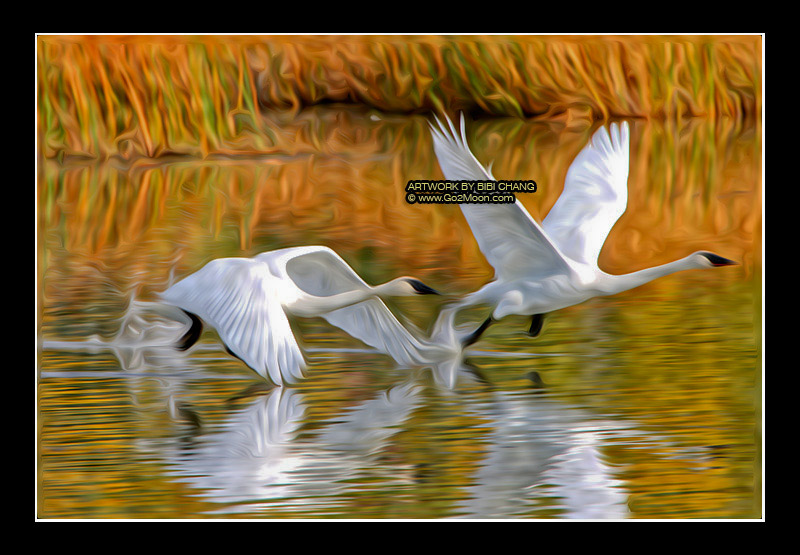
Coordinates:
[373,323]
[510,239]
[236,296]
[322,272]
[595,195]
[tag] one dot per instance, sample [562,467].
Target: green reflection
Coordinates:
[659,385]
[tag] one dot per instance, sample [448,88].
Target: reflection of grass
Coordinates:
[150,96]
[681,198]
[693,185]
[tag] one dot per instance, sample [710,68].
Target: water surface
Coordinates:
[643,405]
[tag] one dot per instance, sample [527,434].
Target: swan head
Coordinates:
[407,287]
[705,259]
[419,288]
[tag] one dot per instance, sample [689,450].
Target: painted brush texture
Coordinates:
[107,96]
[158,154]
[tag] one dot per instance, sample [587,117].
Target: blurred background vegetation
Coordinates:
[159,153]
[104,96]
[326,126]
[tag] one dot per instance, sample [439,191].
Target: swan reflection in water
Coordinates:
[538,449]
[536,453]
[254,460]
[145,339]
[148,333]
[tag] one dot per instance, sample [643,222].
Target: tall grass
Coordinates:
[128,97]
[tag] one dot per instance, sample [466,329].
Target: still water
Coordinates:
[641,405]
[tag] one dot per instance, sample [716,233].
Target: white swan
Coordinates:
[542,268]
[247,300]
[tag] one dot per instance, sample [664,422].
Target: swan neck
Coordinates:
[314,306]
[383,289]
[625,282]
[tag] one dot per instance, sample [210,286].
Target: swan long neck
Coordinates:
[624,282]
[314,306]
[388,289]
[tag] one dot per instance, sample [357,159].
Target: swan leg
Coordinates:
[474,336]
[536,325]
[192,334]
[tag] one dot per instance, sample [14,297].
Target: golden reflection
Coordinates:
[158,154]
[682,198]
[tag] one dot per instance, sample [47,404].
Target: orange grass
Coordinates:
[107,96]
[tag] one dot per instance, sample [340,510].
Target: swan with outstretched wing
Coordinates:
[544,267]
[248,301]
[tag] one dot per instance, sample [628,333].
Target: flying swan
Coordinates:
[248,301]
[542,268]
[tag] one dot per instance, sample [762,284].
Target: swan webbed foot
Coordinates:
[192,334]
[474,336]
[536,380]
[536,325]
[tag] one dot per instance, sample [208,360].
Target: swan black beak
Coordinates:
[421,288]
[717,260]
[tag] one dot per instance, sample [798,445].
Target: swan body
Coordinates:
[544,267]
[249,302]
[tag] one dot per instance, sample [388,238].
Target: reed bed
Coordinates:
[146,174]
[152,140]
[128,97]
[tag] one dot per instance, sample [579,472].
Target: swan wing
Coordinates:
[239,298]
[373,323]
[594,197]
[510,239]
[321,272]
